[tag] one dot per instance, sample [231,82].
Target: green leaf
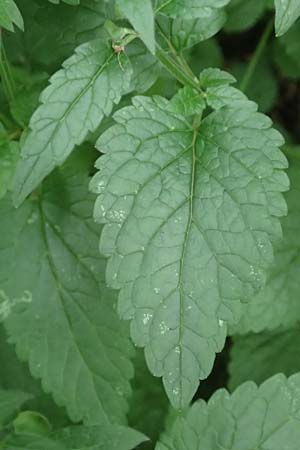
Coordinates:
[287,12]
[260,356]
[75,102]
[110,437]
[10,403]
[278,303]
[263,88]
[186,213]
[141,16]
[68,331]
[287,52]
[187,102]
[9,155]
[251,418]
[186,33]
[31,422]
[189,9]
[214,78]
[15,375]
[148,405]
[69,2]
[55,31]
[243,14]
[10,15]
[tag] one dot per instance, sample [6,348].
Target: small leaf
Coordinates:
[10,15]
[31,422]
[260,356]
[287,12]
[251,418]
[68,331]
[10,403]
[215,77]
[187,102]
[185,211]
[75,102]
[141,15]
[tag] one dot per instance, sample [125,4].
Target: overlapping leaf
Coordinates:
[10,403]
[287,12]
[75,102]
[78,438]
[63,320]
[185,33]
[251,418]
[10,15]
[190,216]
[259,356]
[189,9]
[278,303]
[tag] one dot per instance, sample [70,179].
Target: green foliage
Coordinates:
[148,213]
[250,418]
[10,15]
[260,356]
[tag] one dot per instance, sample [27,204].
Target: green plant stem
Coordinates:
[256,56]
[6,73]
[177,70]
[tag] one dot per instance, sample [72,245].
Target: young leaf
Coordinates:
[75,102]
[287,12]
[186,33]
[10,15]
[260,356]
[110,437]
[10,403]
[251,418]
[68,332]
[278,303]
[189,9]
[141,16]
[187,211]
[187,102]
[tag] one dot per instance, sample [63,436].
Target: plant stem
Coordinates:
[256,56]
[177,70]
[5,72]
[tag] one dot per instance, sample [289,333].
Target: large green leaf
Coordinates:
[287,12]
[75,102]
[264,418]
[68,332]
[259,356]
[278,303]
[10,403]
[15,375]
[190,214]
[10,15]
[189,9]
[141,16]
[111,437]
